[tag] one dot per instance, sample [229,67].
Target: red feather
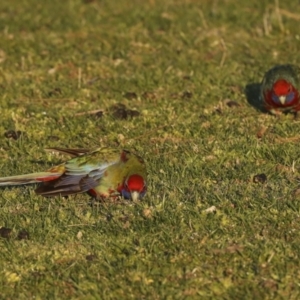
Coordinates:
[135,183]
[281,88]
[48,178]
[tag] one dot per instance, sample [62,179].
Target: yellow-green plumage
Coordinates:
[103,172]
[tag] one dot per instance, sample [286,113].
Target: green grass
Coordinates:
[177,63]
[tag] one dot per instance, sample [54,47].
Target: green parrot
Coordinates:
[104,172]
[280,89]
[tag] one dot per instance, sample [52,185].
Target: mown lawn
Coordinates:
[175,81]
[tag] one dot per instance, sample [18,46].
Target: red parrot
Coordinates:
[103,172]
[280,89]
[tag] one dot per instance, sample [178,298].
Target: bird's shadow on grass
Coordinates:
[252,91]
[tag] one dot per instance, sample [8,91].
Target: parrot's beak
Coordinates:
[135,196]
[282,99]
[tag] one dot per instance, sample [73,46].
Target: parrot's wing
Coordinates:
[82,173]
[66,185]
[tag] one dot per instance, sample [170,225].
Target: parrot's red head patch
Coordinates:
[135,183]
[134,187]
[281,87]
